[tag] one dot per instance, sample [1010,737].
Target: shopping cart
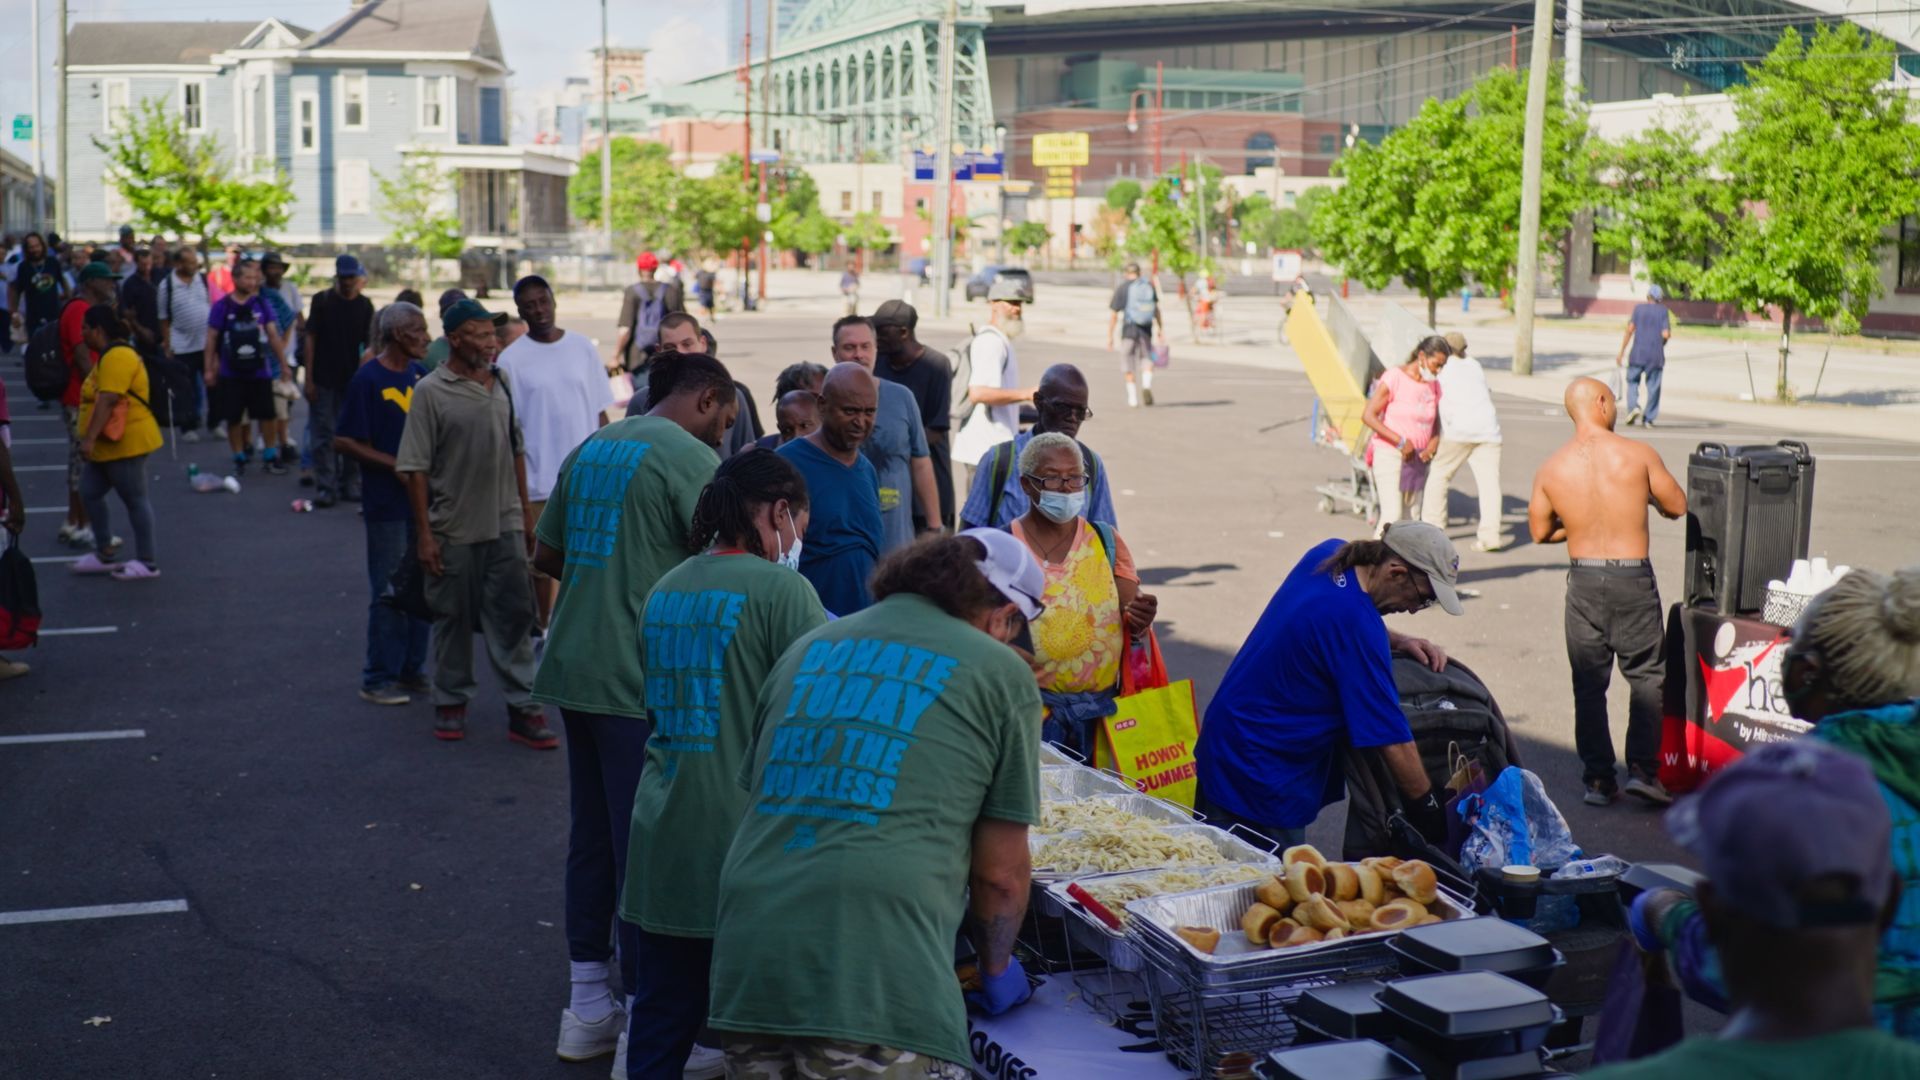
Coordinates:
[1353,493]
[1340,363]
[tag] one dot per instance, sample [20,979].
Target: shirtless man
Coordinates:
[1592,495]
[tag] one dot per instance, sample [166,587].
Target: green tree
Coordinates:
[1661,205]
[866,232]
[1164,227]
[1028,236]
[1280,227]
[179,183]
[646,195]
[1382,223]
[1476,194]
[719,209]
[1123,194]
[1824,160]
[417,201]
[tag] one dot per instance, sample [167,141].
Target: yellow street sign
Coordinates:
[1056,148]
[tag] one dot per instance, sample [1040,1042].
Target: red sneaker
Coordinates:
[530,729]
[450,722]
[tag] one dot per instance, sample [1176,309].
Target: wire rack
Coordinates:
[1218,1033]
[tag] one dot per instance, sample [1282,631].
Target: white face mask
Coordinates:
[789,558]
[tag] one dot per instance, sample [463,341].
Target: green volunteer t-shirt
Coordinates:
[621,510]
[1860,1054]
[714,627]
[882,739]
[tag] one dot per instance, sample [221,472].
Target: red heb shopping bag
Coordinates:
[1150,740]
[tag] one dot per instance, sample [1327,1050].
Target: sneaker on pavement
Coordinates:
[1648,789]
[90,563]
[12,669]
[135,570]
[1601,793]
[81,537]
[415,684]
[620,1058]
[705,1063]
[66,533]
[530,729]
[1482,545]
[1633,416]
[384,695]
[191,436]
[1146,396]
[274,468]
[306,478]
[324,500]
[582,1040]
[450,722]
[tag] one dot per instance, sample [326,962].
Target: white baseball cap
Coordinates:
[1011,569]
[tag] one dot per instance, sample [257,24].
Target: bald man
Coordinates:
[996,499]
[1592,494]
[845,533]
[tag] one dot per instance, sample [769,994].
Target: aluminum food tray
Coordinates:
[1053,755]
[1065,783]
[1232,850]
[1119,949]
[1146,806]
[1236,962]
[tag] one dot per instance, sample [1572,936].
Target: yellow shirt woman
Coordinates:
[120,372]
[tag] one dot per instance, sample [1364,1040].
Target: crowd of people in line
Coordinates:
[803,674]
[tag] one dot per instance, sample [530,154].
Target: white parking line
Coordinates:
[46,509]
[58,559]
[39,442]
[99,911]
[75,631]
[73,736]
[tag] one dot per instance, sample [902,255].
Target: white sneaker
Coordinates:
[1133,396]
[705,1063]
[620,1057]
[583,1041]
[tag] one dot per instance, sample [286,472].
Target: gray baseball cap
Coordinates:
[1428,550]
[1009,290]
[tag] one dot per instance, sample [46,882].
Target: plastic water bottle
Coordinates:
[303,506]
[205,483]
[231,484]
[192,471]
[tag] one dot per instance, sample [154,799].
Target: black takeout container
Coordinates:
[1476,945]
[1469,1015]
[1360,1059]
[1340,1012]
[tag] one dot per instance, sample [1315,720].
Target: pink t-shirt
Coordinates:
[1413,410]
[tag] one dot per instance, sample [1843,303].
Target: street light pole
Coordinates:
[39,134]
[62,200]
[943,168]
[606,136]
[1528,261]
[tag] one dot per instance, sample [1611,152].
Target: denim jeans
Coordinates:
[1613,612]
[396,641]
[604,757]
[333,472]
[1652,374]
[669,1003]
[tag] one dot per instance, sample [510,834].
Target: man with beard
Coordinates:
[994,394]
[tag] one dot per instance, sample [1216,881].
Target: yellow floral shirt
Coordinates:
[1080,639]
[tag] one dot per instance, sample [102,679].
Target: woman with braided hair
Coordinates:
[711,630]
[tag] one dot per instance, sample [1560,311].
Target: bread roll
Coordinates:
[1342,882]
[1300,935]
[1427,919]
[1273,893]
[1358,912]
[1258,923]
[1305,879]
[1334,934]
[1303,853]
[1417,880]
[1397,915]
[1204,938]
[1382,863]
[1372,890]
[1318,913]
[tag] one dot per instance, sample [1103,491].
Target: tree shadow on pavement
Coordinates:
[1171,575]
[1541,361]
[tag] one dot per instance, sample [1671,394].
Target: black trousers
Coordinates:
[1613,614]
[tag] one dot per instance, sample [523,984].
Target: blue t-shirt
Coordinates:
[375,413]
[1014,504]
[222,317]
[843,537]
[1315,674]
[1649,350]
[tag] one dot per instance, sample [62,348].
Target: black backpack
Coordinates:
[19,598]
[49,370]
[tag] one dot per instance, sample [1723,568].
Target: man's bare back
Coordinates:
[1593,492]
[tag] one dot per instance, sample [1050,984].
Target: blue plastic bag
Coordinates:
[1515,824]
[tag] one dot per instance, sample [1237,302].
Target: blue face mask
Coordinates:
[1062,506]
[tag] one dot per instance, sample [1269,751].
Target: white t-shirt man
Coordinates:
[1466,405]
[559,392]
[184,305]
[995,366]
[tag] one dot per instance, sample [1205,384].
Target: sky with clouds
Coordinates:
[545,40]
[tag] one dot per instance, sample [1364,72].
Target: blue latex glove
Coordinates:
[1001,992]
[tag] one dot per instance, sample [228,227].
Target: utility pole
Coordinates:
[1576,10]
[767,95]
[606,136]
[62,200]
[1529,256]
[943,169]
[746,153]
[39,133]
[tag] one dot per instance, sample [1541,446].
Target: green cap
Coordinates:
[464,311]
[94,271]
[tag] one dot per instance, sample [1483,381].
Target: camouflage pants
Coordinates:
[770,1057]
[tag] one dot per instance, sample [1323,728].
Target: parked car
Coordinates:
[978,284]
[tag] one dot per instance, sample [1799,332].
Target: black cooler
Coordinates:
[1749,512]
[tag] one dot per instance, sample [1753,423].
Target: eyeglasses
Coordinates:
[1066,412]
[1424,589]
[1077,482]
